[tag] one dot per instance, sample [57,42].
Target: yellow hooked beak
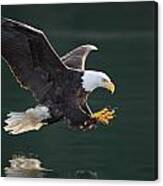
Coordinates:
[110,86]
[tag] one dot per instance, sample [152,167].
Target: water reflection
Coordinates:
[86,174]
[31,167]
[21,166]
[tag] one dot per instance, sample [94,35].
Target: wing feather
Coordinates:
[76,58]
[30,56]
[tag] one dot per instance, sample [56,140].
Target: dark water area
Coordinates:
[124,34]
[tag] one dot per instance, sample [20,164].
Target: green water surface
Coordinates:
[124,34]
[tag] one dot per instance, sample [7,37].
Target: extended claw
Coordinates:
[104,116]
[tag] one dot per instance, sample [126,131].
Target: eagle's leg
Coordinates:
[104,116]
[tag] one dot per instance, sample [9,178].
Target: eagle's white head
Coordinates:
[94,79]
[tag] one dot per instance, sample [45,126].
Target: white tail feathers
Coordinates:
[20,122]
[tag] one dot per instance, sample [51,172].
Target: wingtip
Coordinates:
[91,47]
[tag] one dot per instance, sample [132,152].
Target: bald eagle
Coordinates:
[60,85]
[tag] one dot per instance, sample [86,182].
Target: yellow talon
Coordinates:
[104,116]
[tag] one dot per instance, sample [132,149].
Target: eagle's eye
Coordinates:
[104,80]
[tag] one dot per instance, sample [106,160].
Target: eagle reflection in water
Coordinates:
[30,167]
[21,166]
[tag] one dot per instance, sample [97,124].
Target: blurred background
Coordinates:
[124,34]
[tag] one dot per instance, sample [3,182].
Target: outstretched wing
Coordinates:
[76,58]
[30,57]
